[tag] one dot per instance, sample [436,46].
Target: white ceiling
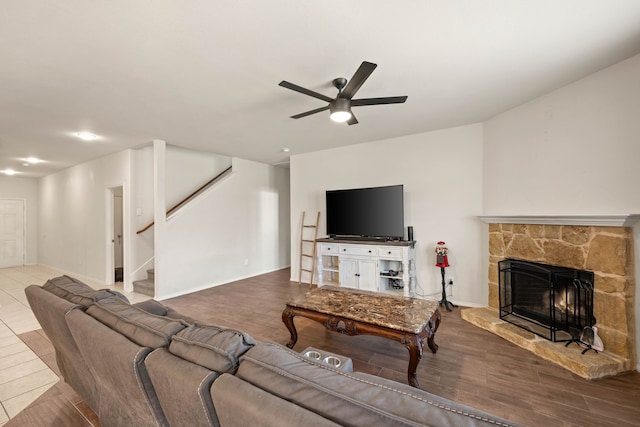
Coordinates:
[204,74]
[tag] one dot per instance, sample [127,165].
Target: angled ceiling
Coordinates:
[205,74]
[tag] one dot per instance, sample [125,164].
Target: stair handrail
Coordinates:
[189,197]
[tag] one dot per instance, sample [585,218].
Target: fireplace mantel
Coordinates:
[626,220]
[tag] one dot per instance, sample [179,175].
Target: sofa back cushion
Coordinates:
[127,397]
[351,399]
[77,292]
[141,327]
[213,347]
[183,389]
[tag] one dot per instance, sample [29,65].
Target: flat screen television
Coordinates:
[366,212]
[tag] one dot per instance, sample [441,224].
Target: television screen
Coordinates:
[366,212]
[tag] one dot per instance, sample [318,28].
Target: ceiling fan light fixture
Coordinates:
[340,110]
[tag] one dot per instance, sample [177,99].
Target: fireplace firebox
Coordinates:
[553,302]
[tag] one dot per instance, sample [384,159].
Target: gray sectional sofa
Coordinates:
[147,365]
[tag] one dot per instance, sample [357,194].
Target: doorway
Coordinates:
[12,233]
[117,235]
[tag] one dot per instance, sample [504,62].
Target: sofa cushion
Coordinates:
[351,399]
[141,327]
[77,292]
[230,397]
[211,346]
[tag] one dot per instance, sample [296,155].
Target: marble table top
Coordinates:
[395,312]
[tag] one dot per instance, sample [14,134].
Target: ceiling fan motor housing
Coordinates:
[339,104]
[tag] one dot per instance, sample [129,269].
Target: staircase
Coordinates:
[146,286]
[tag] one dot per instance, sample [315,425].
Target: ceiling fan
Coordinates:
[340,106]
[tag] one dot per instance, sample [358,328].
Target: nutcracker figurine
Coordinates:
[442,261]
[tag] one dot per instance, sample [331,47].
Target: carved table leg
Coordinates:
[414,345]
[287,317]
[434,322]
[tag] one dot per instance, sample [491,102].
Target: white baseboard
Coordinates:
[88,280]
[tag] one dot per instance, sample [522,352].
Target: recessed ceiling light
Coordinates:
[9,172]
[32,160]
[285,150]
[87,136]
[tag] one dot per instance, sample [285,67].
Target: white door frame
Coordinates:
[109,236]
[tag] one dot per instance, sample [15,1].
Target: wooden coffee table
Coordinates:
[407,320]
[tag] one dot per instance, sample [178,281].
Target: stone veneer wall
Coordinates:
[606,251]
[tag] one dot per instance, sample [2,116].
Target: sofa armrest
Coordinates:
[240,404]
[118,294]
[154,307]
[355,399]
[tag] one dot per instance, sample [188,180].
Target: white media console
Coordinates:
[376,266]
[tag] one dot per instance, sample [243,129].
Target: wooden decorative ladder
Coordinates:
[305,242]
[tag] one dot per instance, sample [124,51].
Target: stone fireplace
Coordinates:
[606,251]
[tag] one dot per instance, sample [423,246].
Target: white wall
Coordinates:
[573,151]
[72,219]
[12,187]
[442,176]
[187,170]
[237,229]
[142,252]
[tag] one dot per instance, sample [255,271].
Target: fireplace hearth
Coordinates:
[553,302]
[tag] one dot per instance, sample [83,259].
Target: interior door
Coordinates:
[117,231]
[11,233]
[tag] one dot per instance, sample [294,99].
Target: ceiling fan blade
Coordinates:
[308,113]
[352,120]
[378,101]
[360,76]
[304,91]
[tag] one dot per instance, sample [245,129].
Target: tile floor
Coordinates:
[23,376]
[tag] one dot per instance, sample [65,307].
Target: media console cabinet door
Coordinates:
[349,273]
[359,274]
[368,276]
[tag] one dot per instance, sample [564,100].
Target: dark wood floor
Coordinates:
[472,365]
